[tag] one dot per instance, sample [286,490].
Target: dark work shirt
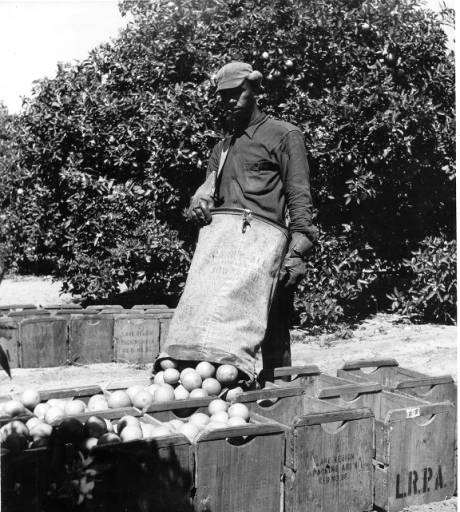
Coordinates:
[266,171]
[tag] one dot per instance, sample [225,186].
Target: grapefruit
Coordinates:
[40,410]
[212,386]
[199,418]
[180,393]
[109,438]
[161,430]
[217,405]
[159,379]
[13,408]
[239,410]
[219,417]
[30,398]
[191,380]
[119,399]
[142,399]
[198,393]
[165,393]
[236,421]
[97,403]
[131,433]
[233,393]
[54,415]
[171,376]
[74,407]
[95,427]
[127,421]
[176,425]
[90,443]
[205,369]
[168,363]
[133,391]
[226,374]
[190,430]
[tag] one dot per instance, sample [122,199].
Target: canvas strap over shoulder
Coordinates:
[223,156]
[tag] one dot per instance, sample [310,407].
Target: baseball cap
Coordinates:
[232,75]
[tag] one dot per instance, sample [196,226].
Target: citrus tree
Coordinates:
[116,144]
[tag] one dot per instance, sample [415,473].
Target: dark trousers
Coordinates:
[276,347]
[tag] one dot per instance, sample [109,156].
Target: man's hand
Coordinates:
[294,268]
[199,209]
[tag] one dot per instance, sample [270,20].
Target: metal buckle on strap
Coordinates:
[247,218]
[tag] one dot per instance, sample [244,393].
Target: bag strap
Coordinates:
[223,157]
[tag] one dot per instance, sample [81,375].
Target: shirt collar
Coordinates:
[251,129]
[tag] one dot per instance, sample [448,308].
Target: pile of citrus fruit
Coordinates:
[19,435]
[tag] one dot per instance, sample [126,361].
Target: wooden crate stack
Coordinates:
[53,336]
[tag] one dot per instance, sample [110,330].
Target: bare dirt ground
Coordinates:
[431,349]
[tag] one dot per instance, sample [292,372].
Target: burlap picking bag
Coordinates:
[223,312]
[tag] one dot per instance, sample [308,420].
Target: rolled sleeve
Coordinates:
[295,173]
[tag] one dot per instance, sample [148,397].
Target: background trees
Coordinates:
[115,145]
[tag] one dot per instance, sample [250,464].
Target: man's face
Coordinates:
[237,103]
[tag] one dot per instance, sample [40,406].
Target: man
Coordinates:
[261,167]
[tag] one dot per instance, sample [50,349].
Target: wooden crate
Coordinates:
[9,340]
[164,316]
[329,450]
[149,474]
[150,306]
[414,452]
[412,438]
[27,477]
[136,338]
[341,391]
[54,308]
[16,307]
[394,378]
[43,342]
[91,338]
[237,469]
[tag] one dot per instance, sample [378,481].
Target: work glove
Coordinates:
[294,267]
[201,203]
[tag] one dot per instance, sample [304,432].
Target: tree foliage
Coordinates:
[115,145]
